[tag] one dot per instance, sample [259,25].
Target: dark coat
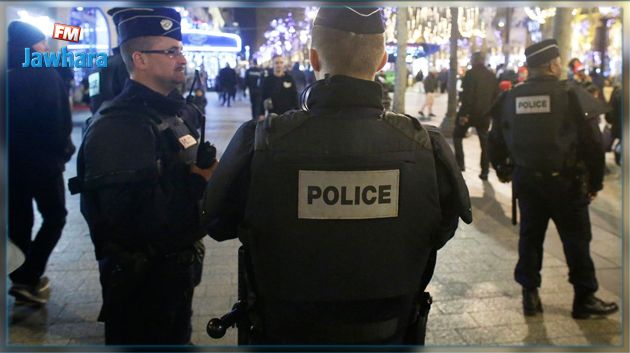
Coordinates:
[480,89]
[40,121]
[282,91]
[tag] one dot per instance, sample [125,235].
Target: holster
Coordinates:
[417,330]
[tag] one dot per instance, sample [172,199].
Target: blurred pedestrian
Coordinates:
[227,82]
[430,87]
[443,79]
[253,81]
[480,88]
[39,127]
[279,89]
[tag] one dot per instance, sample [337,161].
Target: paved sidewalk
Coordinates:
[476,301]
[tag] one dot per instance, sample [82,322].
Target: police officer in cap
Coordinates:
[109,81]
[341,206]
[141,189]
[546,130]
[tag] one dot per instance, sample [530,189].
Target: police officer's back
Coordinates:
[341,207]
[547,130]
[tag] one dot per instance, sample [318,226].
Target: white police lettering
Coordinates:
[348,194]
[187,141]
[533,105]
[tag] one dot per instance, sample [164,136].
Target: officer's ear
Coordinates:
[383,62]
[139,60]
[314,58]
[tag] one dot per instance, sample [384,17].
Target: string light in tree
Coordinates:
[287,36]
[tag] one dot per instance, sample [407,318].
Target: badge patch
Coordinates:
[533,105]
[187,141]
[94,84]
[287,84]
[348,194]
[166,24]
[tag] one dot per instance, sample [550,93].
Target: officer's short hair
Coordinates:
[347,52]
[133,45]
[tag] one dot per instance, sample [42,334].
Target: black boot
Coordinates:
[585,306]
[531,302]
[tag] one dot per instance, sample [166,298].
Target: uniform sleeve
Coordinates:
[453,192]
[225,196]
[590,150]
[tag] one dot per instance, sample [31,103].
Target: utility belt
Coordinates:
[567,172]
[137,259]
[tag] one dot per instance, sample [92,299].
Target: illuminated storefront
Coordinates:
[212,49]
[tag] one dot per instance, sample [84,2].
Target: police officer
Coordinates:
[341,206]
[480,88]
[547,130]
[253,79]
[109,81]
[140,189]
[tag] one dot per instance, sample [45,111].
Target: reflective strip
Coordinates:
[348,194]
[94,84]
[533,105]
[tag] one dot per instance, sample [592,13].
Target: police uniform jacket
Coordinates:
[266,192]
[134,166]
[549,126]
[253,79]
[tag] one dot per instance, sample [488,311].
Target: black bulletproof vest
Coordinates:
[340,257]
[155,146]
[538,126]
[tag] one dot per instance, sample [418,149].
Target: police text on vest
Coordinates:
[533,105]
[348,194]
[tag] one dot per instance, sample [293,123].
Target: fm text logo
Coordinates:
[66,32]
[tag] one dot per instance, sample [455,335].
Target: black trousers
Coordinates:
[49,195]
[459,132]
[559,198]
[254,98]
[147,303]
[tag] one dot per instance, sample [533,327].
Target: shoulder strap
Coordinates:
[409,126]
[275,126]
[78,184]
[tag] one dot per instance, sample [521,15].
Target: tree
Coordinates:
[562,33]
[449,120]
[400,86]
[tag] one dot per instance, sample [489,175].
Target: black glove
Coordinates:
[504,172]
[206,155]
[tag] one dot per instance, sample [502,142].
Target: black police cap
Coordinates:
[542,52]
[147,22]
[368,20]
